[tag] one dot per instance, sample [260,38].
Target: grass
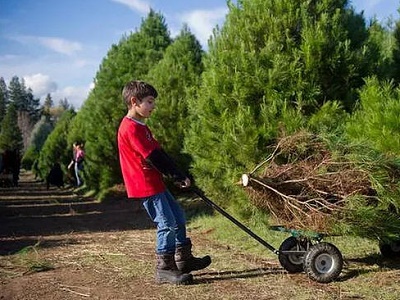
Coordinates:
[28,260]
[366,274]
[224,231]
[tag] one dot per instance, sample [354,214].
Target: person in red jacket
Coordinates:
[143,164]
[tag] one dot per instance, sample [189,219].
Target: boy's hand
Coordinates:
[184,184]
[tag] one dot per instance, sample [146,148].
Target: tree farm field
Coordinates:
[57,244]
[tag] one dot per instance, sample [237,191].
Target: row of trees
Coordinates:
[17,103]
[274,67]
[24,123]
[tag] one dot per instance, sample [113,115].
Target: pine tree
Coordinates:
[396,54]
[47,105]
[56,147]
[16,93]
[271,66]
[33,106]
[27,107]
[381,47]
[65,104]
[376,121]
[21,96]
[3,98]
[102,112]
[176,77]
[40,133]
[10,134]
[38,137]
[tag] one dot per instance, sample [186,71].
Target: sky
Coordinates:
[58,46]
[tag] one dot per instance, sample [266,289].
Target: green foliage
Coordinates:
[328,119]
[102,112]
[56,147]
[376,122]
[10,134]
[16,92]
[25,104]
[47,105]
[366,221]
[396,53]
[77,129]
[176,78]
[379,54]
[23,98]
[3,98]
[271,66]
[30,259]
[39,134]
[30,155]
[376,216]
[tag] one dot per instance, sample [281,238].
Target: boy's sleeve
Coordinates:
[144,143]
[164,163]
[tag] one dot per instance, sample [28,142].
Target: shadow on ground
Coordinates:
[207,277]
[30,211]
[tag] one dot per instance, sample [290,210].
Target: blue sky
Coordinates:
[57,46]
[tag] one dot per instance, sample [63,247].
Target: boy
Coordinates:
[143,163]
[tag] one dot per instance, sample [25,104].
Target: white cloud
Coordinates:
[202,22]
[40,84]
[74,94]
[136,5]
[62,46]
[58,45]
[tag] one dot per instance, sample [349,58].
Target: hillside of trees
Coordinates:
[272,69]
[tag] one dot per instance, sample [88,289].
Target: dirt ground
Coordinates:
[56,244]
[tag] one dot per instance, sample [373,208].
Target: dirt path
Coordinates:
[55,244]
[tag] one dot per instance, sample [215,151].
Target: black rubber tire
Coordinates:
[391,250]
[323,262]
[293,263]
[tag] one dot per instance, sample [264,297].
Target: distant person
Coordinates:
[143,163]
[12,164]
[55,176]
[77,162]
[16,167]
[1,163]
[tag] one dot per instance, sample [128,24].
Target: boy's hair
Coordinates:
[138,89]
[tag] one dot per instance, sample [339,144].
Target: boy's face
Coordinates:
[144,108]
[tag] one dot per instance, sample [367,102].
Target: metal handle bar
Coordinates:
[200,193]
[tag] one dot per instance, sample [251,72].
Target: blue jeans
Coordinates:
[170,219]
[77,169]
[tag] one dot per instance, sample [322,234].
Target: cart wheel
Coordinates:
[391,250]
[293,263]
[323,262]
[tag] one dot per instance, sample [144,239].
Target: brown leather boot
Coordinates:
[167,271]
[186,262]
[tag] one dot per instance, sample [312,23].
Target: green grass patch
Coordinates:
[30,261]
[223,230]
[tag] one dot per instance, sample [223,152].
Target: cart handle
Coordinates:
[200,193]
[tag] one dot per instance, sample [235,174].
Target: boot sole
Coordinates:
[186,282]
[188,270]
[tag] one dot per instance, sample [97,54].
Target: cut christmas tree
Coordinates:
[310,183]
